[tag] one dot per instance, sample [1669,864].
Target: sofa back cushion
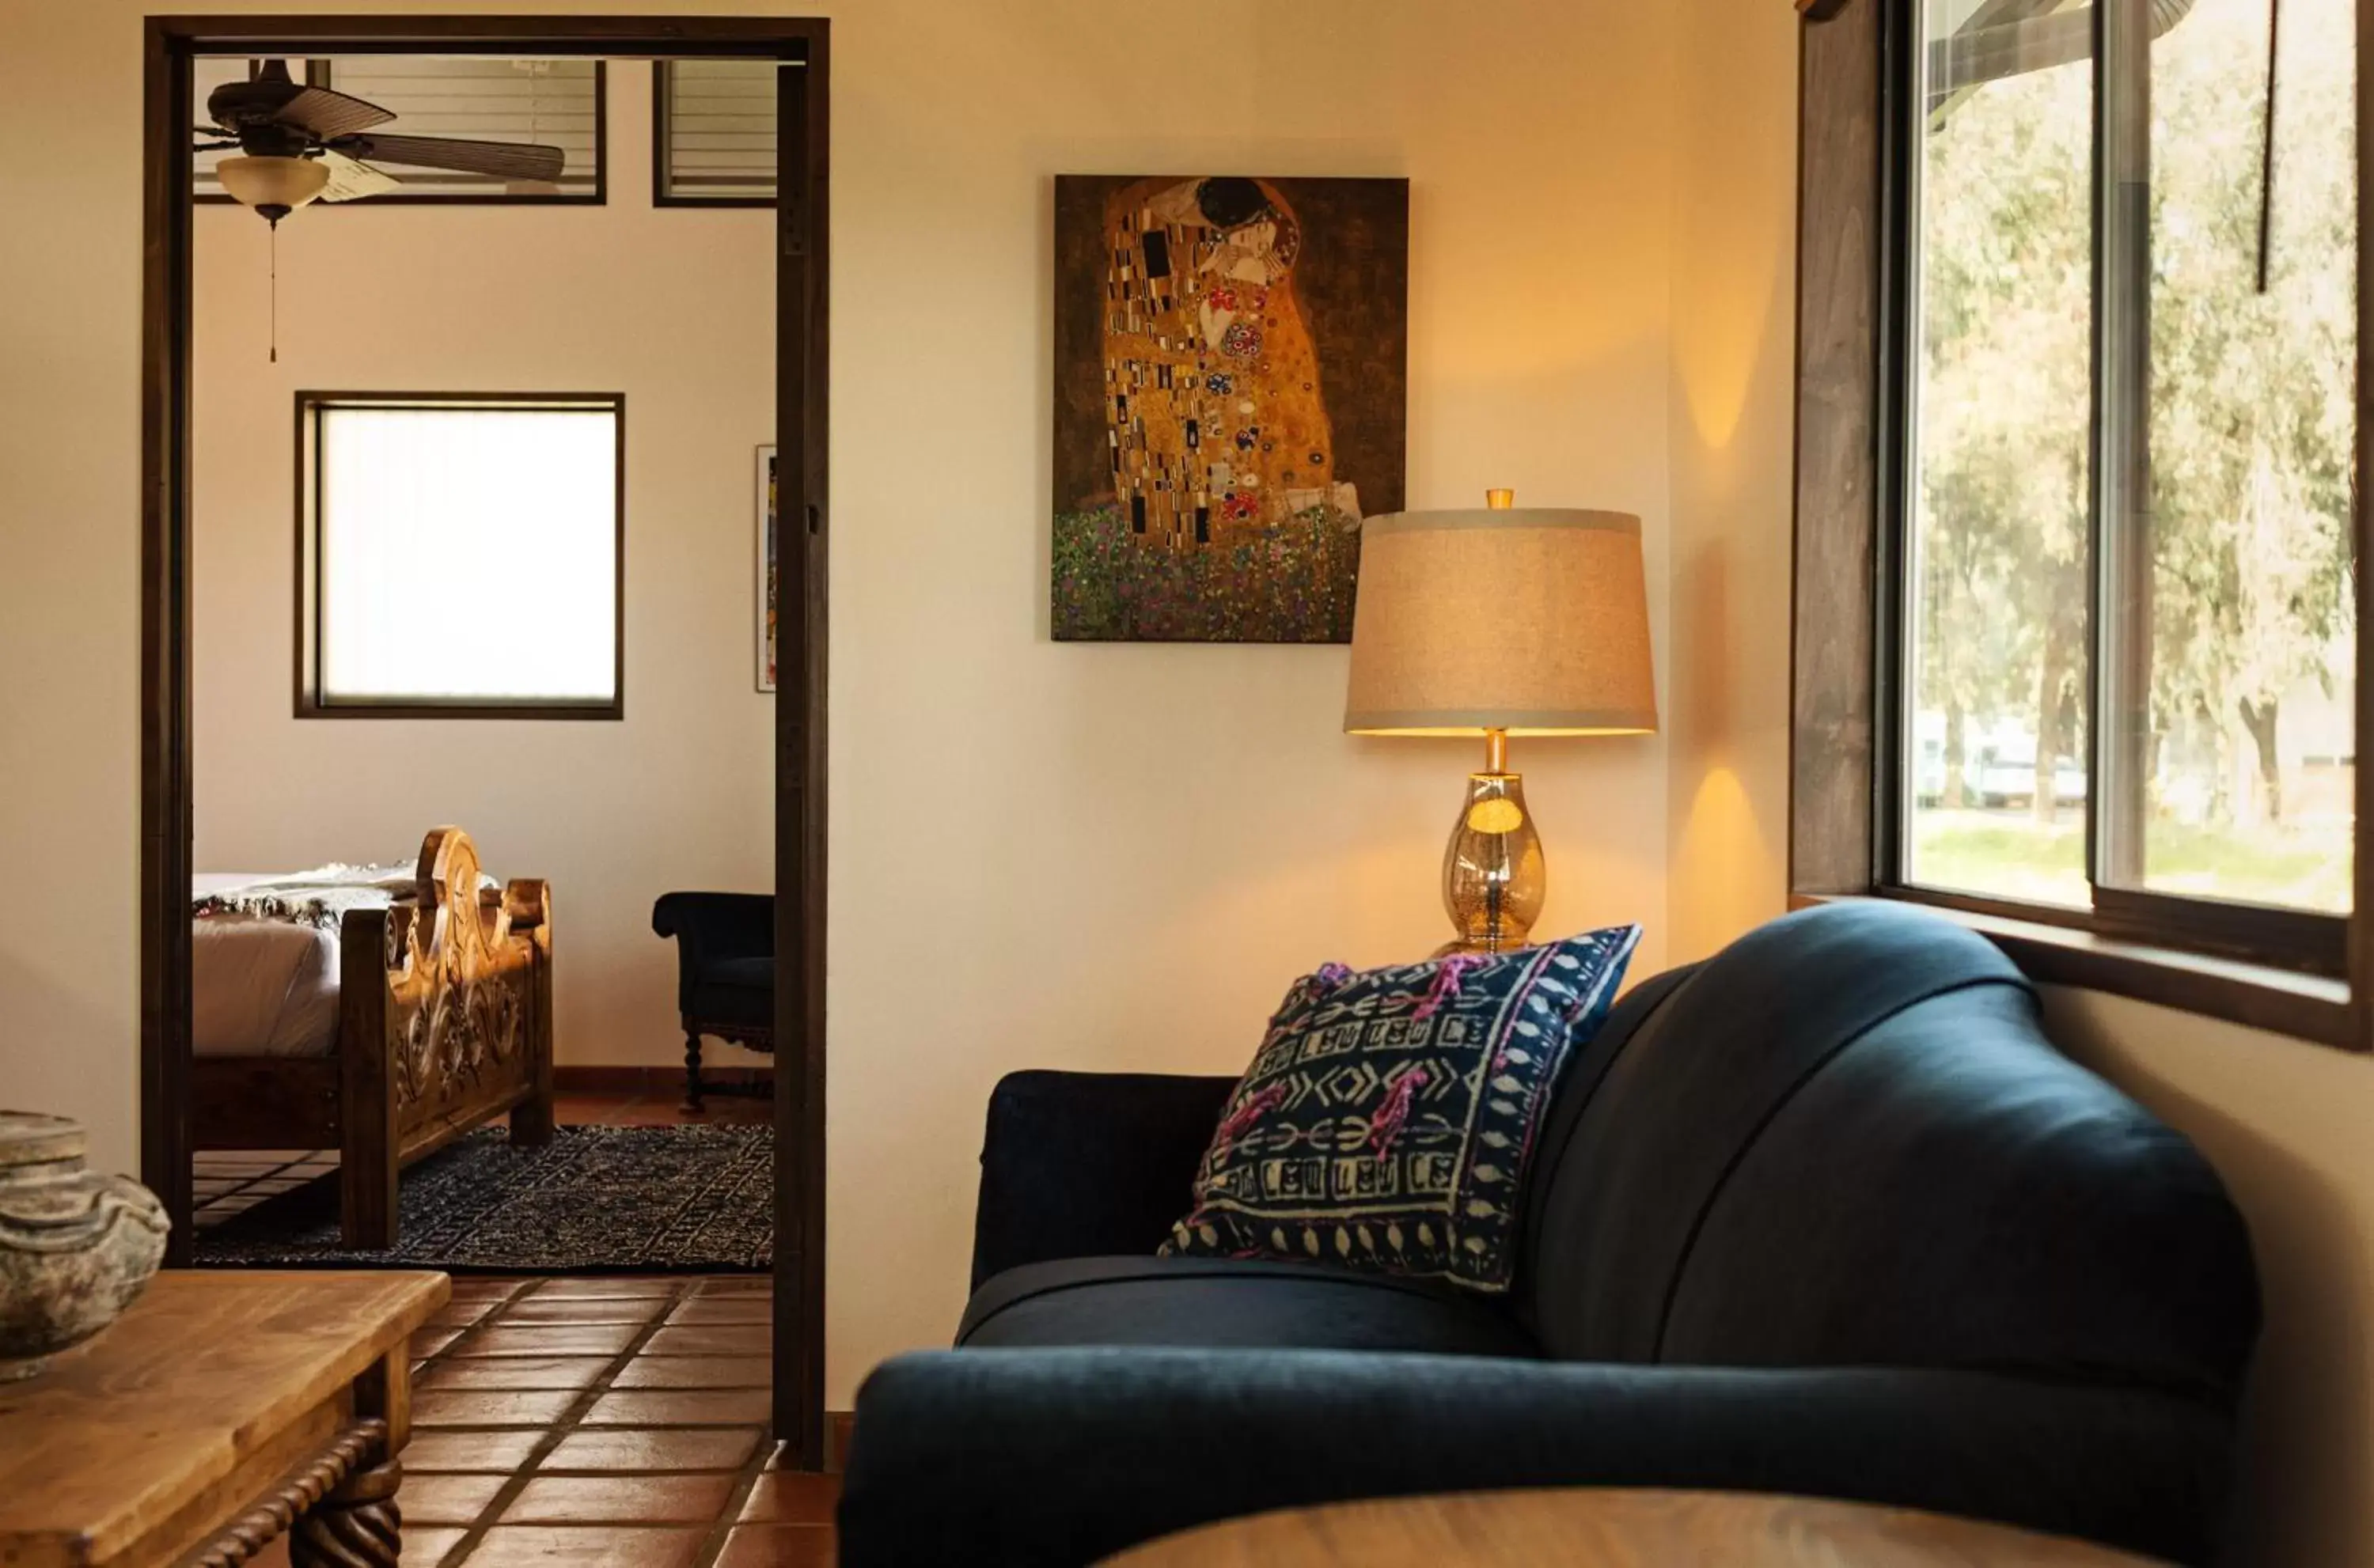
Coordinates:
[1846,1141]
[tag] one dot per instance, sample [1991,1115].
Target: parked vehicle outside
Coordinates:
[2007,778]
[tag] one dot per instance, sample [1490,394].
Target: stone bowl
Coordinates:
[76,1246]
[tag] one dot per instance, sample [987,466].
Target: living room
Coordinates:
[1115,856]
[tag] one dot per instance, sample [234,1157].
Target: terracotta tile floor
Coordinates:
[526,1448]
[577,1420]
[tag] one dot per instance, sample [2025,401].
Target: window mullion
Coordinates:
[2121,625]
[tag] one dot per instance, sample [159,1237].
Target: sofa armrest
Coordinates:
[1078,1165]
[1059,1456]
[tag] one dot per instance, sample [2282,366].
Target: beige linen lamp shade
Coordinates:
[1533,622]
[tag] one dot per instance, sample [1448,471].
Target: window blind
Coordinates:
[717,130]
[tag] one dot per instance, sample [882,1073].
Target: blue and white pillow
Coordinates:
[1389,1118]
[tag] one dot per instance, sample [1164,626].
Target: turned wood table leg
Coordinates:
[357,1526]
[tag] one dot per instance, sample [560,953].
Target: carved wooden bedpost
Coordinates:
[369,1151]
[445,1016]
[527,911]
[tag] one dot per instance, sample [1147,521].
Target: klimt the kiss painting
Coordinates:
[1231,399]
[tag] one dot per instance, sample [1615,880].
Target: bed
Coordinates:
[377,1013]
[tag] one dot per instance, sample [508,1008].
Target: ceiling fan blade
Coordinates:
[322,113]
[351,180]
[505,160]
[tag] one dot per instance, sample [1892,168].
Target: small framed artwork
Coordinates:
[769,553]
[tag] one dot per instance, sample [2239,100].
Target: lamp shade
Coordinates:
[1534,622]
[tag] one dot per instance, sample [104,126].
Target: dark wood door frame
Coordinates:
[169,46]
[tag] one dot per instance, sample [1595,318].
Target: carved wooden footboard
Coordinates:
[445,1021]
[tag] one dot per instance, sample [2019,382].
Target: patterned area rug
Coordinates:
[603,1199]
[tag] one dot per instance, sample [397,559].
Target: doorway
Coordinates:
[799,47]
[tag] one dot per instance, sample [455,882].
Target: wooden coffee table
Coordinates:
[1613,1529]
[221,1411]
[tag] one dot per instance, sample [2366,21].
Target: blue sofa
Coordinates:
[1827,1213]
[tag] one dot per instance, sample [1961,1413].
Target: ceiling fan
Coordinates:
[298,144]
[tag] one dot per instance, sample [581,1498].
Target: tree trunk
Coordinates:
[1950,795]
[2259,719]
[2048,715]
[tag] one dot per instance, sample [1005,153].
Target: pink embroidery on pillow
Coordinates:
[1393,1114]
[1446,982]
[1252,1110]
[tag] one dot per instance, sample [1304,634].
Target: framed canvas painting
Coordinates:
[767,552]
[1232,387]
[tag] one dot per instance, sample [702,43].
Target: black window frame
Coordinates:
[309,699]
[2306,940]
[2301,973]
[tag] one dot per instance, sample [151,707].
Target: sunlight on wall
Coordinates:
[1732,412]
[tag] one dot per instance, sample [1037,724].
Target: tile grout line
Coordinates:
[555,1431]
[572,1421]
[720,1529]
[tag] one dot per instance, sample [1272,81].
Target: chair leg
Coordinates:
[691,1105]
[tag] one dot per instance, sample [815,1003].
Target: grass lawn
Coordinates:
[2011,855]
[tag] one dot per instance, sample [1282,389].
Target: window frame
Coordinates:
[317,74]
[307,640]
[2296,972]
[661,197]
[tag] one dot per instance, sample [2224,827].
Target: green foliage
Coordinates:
[2251,409]
[1291,583]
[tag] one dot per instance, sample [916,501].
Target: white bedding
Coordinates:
[264,986]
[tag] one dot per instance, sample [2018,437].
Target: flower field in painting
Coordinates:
[1288,583]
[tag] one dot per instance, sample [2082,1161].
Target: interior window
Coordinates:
[464,553]
[551,102]
[2128,426]
[715,141]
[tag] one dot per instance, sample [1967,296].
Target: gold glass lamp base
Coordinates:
[1493,876]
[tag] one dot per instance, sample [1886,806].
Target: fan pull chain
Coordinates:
[273,331]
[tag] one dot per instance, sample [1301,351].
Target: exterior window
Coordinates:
[2125,440]
[713,133]
[551,102]
[462,556]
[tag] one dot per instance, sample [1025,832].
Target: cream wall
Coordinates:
[1732,433]
[2285,1123]
[1116,857]
[1075,856]
[675,308]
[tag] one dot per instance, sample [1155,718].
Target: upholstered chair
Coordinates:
[725,972]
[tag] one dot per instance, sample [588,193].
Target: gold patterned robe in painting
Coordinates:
[1214,410]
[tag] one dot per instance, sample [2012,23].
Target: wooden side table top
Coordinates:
[213,1384]
[1612,1528]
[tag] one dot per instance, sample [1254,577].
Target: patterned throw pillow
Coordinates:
[1388,1121]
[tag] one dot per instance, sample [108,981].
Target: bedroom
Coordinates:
[610,647]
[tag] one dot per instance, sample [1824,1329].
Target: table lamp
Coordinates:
[1499,623]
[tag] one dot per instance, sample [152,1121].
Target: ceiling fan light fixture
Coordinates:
[273,186]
